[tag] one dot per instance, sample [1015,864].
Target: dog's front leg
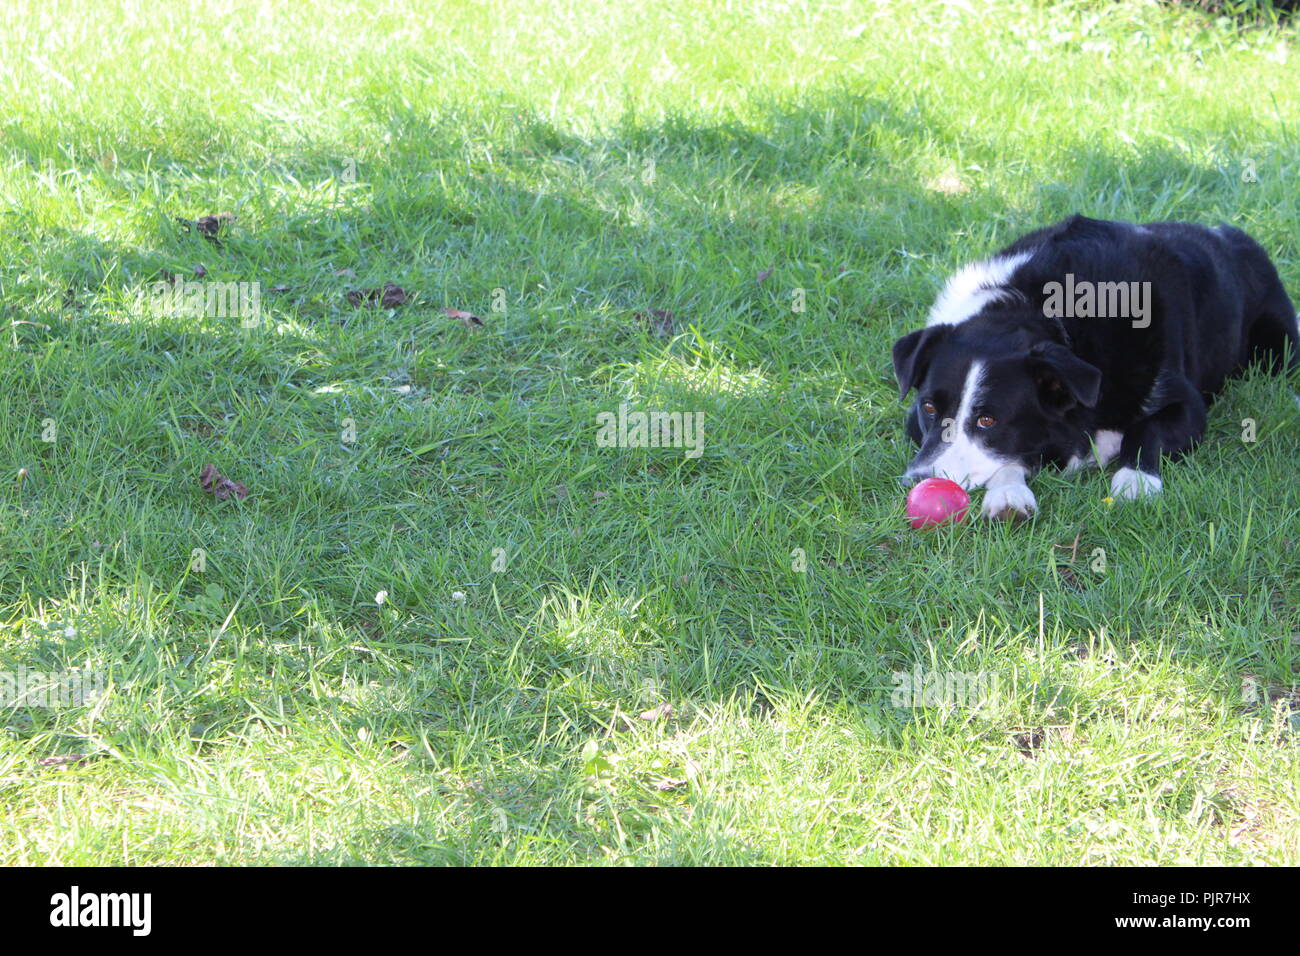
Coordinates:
[1172,430]
[1006,495]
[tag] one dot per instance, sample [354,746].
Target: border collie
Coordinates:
[1085,343]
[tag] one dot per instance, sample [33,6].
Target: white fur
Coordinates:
[1105,445]
[1007,493]
[1131,483]
[969,289]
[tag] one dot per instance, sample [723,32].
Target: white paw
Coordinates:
[1131,483]
[1009,501]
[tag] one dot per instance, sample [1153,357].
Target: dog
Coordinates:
[1086,343]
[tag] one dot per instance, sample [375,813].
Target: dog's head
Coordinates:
[983,404]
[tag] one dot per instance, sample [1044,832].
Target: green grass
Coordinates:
[591,161]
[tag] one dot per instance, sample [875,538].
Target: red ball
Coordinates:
[935,501]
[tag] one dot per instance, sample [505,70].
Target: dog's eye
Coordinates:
[928,408]
[986,421]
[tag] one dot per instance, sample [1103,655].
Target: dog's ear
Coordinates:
[912,355]
[1064,380]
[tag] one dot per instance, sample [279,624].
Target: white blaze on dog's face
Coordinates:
[955,437]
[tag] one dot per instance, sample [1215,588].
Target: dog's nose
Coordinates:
[907,481]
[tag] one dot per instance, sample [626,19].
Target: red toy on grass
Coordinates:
[936,500]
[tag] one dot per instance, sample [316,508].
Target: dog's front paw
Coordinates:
[1012,502]
[1131,483]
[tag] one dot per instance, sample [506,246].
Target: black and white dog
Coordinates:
[1087,342]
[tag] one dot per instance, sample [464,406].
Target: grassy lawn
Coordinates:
[443,625]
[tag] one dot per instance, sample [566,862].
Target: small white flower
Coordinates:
[69,631]
[458,597]
[381,597]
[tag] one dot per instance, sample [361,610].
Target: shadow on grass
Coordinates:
[701,600]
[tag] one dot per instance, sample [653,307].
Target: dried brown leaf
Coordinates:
[657,322]
[217,484]
[209,227]
[469,318]
[658,712]
[62,761]
[1029,740]
[389,297]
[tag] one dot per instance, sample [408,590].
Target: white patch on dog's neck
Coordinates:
[1106,444]
[970,289]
